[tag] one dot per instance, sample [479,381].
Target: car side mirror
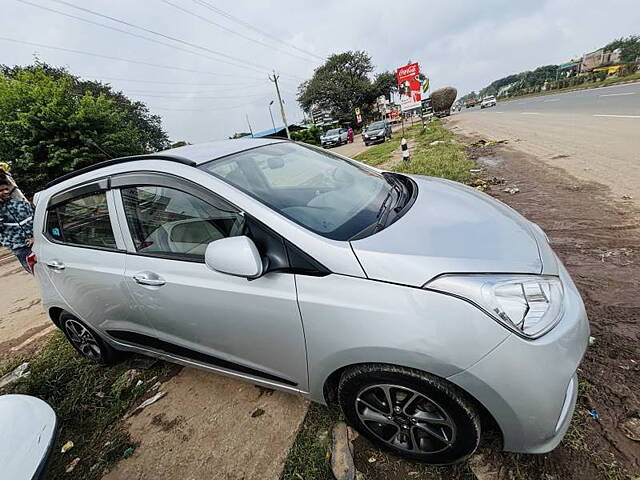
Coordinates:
[236,256]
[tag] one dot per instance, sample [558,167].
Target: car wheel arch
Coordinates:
[54,315]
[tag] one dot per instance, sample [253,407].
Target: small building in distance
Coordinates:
[599,58]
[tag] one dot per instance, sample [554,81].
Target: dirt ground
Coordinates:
[23,323]
[597,236]
[209,426]
[351,149]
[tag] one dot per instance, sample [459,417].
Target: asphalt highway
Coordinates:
[592,134]
[617,101]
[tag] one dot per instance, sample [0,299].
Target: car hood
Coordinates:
[451,228]
[374,132]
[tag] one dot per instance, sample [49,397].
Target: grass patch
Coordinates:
[308,458]
[88,409]
[378,154]
[382,152]
[444,159]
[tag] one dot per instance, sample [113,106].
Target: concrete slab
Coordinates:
[209,426]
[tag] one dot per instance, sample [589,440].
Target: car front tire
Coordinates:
[86,342]
[414,414]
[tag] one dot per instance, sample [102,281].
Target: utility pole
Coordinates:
[274,79]
[250,131]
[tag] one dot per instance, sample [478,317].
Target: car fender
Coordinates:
[349,320]
[323,371]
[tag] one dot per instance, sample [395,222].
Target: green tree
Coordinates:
[629,48]
[341,85]
[384,83]
[52,123]
[309,135]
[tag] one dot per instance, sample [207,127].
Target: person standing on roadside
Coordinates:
[4,173]
[16,223]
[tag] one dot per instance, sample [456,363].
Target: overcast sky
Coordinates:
[207,95]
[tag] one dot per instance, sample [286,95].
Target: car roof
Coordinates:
[192,155]
[205,152]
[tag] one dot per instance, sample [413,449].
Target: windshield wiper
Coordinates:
[402,192]
[386,207]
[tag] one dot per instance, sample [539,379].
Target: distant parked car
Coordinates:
[334,137]
[414,303]
[377,132]
[471,102]
[489,101]
[28,427]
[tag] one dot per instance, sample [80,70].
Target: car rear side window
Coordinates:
[169,222]
[82,221]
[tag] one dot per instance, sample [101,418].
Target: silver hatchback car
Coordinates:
[416,304]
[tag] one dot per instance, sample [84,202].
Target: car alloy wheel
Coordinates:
[405,419]
[417,415]
[83,340]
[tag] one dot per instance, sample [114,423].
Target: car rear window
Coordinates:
[82,221]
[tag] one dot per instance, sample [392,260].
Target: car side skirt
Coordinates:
[178,352]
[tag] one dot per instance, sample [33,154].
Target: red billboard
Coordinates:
[409,86]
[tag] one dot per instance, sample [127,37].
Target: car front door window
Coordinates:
[169,222]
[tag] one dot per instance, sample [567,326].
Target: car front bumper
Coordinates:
[530,387]
[374,139]
[331,143]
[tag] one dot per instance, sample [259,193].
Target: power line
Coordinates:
[120,59]
[173,92]
[245,64]
[254,28]
[175,47]
[234,32]
[200,97]
[159,82]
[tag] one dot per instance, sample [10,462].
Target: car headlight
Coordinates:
[529,305]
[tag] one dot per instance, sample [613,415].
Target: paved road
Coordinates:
[593,134]
[351,149]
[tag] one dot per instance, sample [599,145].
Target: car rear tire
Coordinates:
[414,414]
[86,342]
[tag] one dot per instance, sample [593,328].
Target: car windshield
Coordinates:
[335,131]
[324,193]
[375,126]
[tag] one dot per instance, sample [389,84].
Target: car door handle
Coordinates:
[55,265]
[147,278]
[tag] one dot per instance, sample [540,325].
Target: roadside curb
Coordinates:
[342,465]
